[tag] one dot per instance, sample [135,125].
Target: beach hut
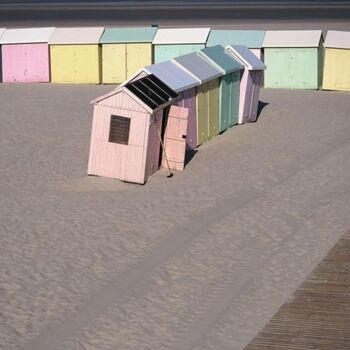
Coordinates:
[75,55]
[229,84]
[250,82]
[336,74]
[127,128]
[125,51]
[173,42]
[293,59]
[253,39]
[207,97]
[2,30]
[25,55]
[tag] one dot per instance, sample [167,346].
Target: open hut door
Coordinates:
[175,138]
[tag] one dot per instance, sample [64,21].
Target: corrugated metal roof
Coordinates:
[199,67]
[79,35]
[173,75]
[151,91]
[128,35]
[337,39]
[250,38]
[292,38]
[217,55]
[244,55]
[181,36]
[26,35]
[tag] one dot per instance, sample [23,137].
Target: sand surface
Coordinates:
[200,261]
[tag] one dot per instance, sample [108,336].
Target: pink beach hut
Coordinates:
[25,55]
[250,82]
[127,129]
[2,30]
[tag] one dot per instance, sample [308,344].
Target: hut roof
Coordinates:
[79,35]
[128,35]
[2,31]
[218,56]
[250,38]
[244,55]
[198,66]
[26,35]
[292,38]
[149,91]
[337,39]
[181,36]
[173,75]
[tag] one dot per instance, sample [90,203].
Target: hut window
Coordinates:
[119,130]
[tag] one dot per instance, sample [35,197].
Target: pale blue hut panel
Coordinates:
[167,52]
[199,67]
[173,75]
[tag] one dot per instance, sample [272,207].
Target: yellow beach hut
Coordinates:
[75,55]
[125,51]
[336,74]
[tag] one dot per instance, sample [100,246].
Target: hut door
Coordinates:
[175,137]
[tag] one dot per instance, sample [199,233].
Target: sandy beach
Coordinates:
[199,261]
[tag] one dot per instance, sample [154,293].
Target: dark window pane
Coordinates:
[119,130]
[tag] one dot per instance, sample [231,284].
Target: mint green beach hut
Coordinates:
[229,84]
[169,43]
[125,51]
[294,59]
[253,39]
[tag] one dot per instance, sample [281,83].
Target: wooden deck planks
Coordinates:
[317,317]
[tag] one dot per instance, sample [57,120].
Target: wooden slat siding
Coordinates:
[248,98]
[318,315]
[153,149]
[187,99]
[124,162]
[256,81]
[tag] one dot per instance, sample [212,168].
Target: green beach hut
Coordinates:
[229,84]
[294,59]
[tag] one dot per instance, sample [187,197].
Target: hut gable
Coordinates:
[292,38]
[128,35]
[26,35]
[337,39]
[253,39]
[244,55]
[181,36]
[79,35]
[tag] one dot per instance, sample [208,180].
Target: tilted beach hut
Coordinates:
[25,55]
[127,128]
[125,51]
[173,42]
[336,74]
[75,55]
[253,39]
[294,59]
[2,30]
[250,82]
[207,97]
[229,84]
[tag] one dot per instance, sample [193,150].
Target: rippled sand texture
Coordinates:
[199,261]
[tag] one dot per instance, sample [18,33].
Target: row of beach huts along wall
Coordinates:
[294,59]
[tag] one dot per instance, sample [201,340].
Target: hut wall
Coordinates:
[80,64]
[26,63]
[213,113]
[121,61]
[294,68]
[336,74]
[124,162]
[167,52]
[187,99]
[258,53]
[153,149]
[0,64]
[202,113]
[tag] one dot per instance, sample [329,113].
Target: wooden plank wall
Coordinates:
[318,314]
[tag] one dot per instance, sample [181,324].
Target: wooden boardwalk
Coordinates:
[318,315]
